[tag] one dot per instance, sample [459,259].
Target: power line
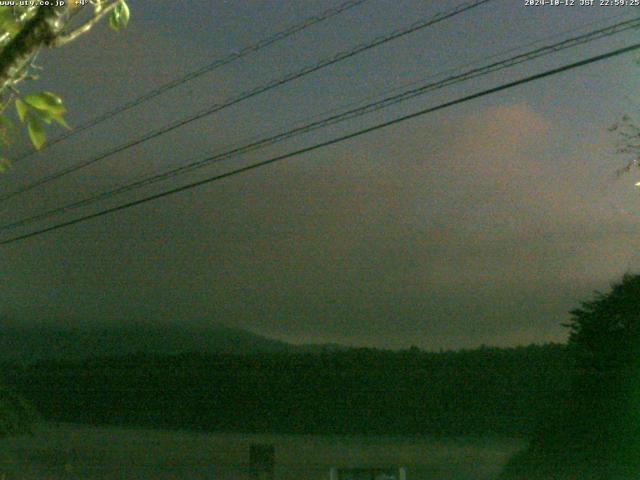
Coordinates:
[192,75]
[421,24]
[333,119]
[333,141]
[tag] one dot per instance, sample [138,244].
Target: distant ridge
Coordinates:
[33,342]
[73,339]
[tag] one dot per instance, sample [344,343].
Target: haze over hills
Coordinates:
[43,340]
[74,339]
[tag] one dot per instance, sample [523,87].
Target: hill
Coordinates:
[35,341]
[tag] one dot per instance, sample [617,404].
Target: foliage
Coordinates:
[481,391]
[597,434]
[628,143]
[35,111]
[119,17]
[605,331]
[606,389]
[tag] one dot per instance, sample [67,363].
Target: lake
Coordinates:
[65,451]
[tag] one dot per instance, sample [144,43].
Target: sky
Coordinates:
[483,223]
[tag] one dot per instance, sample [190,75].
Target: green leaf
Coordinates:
[114,18]
[125,13]
[22,109]
[46,101]
[35,129]
[44,116]
[61,121]
[49,117]
[119,17]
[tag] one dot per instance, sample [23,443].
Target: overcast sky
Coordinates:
[484,223]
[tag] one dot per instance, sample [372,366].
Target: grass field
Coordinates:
[66,451]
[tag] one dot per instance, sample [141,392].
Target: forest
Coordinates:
[481,391]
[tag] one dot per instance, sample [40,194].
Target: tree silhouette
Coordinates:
[596,434]
[605,341]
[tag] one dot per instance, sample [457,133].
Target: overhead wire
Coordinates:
[340,117]
[198,72]
[416,26]
[333,141]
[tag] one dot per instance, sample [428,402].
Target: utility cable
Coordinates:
[421,24]
[333,119]
[333,141]
[192,75]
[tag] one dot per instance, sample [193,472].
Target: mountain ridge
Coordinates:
[38,341]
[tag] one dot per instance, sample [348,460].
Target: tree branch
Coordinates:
[46,25]
[6,36]
[65,38]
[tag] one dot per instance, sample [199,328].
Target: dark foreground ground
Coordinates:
[67,451]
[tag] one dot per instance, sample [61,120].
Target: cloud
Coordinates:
[439,233]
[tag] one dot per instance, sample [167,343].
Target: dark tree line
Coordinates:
[16,415]
[488,390]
